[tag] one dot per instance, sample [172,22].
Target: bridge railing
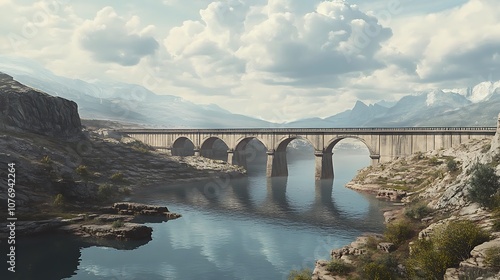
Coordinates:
[312,130]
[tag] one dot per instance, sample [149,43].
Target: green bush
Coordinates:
[117,224]
[338,267]
[446,248]
[485,148]
[303,274]
[398,232]
[385,267]
[417,211]
[425,262]
[496,219]
[434,161]
[59,200]
[458,238]
[46,160]
[484,185]
[492,257]
[452,165]
[106,191]
[117,177]
[82,170]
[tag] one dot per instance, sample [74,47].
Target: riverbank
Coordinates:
[64,178]
[433,189]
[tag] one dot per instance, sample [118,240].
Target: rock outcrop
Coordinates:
[24,108]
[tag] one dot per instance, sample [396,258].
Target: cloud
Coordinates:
[111,38]
[279,41]
[460,44]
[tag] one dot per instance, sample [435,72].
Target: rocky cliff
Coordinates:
[24,108]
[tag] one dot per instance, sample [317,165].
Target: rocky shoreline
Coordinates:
[120,221]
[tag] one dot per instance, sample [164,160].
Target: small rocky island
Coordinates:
[68,176]
[445,223]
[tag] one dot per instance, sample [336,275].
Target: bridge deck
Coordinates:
[488,130]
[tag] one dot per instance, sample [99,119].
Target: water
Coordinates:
[248,228]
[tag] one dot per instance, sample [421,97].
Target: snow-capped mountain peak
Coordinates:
[483,91]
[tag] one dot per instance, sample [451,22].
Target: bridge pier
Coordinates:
[197,152]
[375,159]
[324,165]
[230,157]
[276,163]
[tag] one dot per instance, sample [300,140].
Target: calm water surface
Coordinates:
[249,228]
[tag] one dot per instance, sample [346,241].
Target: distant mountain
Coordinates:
[478,105]
[474,106]
[125,102]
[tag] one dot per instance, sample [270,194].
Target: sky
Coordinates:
[278,60]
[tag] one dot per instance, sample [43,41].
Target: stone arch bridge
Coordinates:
[384,144]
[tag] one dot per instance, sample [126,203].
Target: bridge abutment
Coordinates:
[276,164]
[324,165]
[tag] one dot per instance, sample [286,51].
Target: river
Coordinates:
[247,228]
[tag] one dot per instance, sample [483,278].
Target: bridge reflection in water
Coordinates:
[236,197]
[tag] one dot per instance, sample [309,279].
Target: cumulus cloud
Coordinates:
[300,43]
[111,38]
[461,44]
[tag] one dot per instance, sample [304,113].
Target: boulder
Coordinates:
[129,231]
[391,194]
[386,247]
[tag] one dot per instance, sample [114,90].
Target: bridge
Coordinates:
[384,144]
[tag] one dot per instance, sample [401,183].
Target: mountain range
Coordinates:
[478,105]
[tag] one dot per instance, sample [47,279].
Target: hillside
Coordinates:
[54,155]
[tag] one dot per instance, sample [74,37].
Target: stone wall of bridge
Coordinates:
[383,144]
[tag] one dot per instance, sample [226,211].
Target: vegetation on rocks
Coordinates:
[451,210]
[303,274]
[485,185]
[447,247]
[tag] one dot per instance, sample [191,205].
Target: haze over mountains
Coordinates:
[478,105]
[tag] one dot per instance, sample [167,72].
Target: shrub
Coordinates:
[485,148]
[452,165]
[484,185]
[59,200]
[382,268]
[117,177]
[417,211]
[492,257]
[434,161]
[106,192]
[303,274]
[82,170]
[458,238]
[46,160]
[117,224]
[398,232]
[496,219]
[446,248]
[426,262]
[338,267]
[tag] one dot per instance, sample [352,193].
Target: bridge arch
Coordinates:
[210,148]
[242,142]
[284,141]
[183,146]
[333,142]
[241,155]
